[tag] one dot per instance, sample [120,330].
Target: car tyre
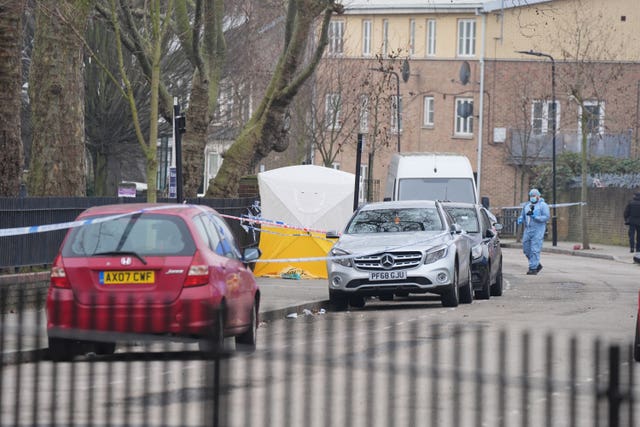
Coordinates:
[338,300]
[214,342]
[357,301]
[104,348]
[62,349]
[450,297]
[466,294]
[247,341]
[496,287]
[485,291]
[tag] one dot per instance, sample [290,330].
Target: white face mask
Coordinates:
[533,199]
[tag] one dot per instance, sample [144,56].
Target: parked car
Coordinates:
[153,269]
[399,248]
[482,229]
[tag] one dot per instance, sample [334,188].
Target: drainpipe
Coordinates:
[481,106]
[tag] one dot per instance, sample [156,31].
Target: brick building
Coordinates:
[591,46]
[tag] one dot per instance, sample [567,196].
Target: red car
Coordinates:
[153,269]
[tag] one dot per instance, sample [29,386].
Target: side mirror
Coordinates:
[251,254]
[498,227]
[386,199]
[484,201]
[455,229]
[332,234]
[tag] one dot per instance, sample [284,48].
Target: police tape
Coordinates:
[355,255]
[557,205]
[275,223]
[6,232]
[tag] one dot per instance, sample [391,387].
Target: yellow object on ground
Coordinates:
[282,243]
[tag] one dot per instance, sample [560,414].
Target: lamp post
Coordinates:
[381,70]
[554,218]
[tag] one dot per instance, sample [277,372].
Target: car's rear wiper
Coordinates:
[113,253]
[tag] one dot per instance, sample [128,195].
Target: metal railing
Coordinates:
[333,371]
[41,248]
[536,148]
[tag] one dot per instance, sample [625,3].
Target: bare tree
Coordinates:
[332,115]
[266,131]
[379,109]
[11,149]
[530,142]
[587,45]
[157,28]
[56,91]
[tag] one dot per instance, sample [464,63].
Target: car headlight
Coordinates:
[346,262]
[435,255]
[476,251]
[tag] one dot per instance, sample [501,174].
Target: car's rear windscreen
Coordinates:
[450,189]
[145,235]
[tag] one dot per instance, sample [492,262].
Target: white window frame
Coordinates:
[385,37]
[366,37]
[544,119]
[428,104]
[463,127]
[412,37]
[394,114]
[431,37]
[364,113]
[336,37]
[466,37]
[592,103]
[333,111]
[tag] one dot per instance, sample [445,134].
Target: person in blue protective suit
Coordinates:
[534,217]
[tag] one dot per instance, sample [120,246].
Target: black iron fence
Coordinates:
[34,249]
[329,370]
[508,217]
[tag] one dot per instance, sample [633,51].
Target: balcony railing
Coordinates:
[534,149]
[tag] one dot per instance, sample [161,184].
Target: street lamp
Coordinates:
[554,218]
[405,72]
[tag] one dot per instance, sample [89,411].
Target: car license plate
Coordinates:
[387,275]
[127,277]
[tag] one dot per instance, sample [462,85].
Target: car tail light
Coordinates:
[59,275]
[198,274]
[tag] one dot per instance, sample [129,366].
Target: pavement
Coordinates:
[596,250]
[283,298]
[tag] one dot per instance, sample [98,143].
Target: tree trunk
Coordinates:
[266,130]
[194,140]
[11,150]
[56,89]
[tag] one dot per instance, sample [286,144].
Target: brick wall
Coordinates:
[605,222]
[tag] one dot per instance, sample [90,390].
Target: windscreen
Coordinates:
[145,235]
[466,218]
[450,189]
[395,221]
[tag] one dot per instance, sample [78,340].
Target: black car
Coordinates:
[482,228]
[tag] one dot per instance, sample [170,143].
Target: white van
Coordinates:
[431,176]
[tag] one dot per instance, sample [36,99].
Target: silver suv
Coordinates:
[393,249]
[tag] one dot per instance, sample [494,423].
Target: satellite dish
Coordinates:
[465,73]
[405,70]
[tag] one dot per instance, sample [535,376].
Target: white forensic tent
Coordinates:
[308,196]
